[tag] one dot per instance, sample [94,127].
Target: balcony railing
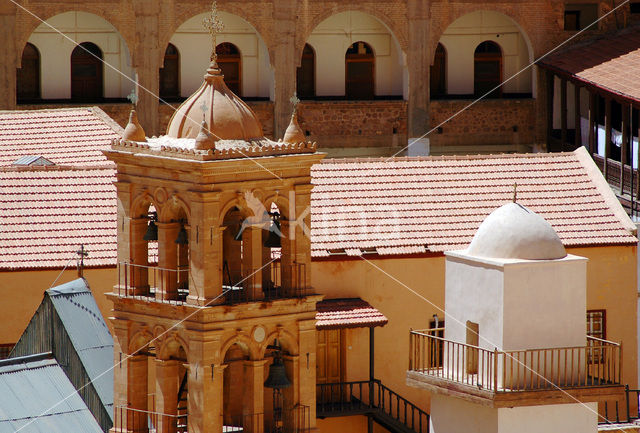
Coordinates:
[153,282]
[275,281]
[594,365]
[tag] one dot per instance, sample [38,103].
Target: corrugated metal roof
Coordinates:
[37,395]
[78,311]
[32,160]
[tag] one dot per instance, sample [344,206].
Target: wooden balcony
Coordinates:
[515,378]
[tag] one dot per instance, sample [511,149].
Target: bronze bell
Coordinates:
[277,378]
[152,232]
[182,238]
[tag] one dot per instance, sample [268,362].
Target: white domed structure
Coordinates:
[515,232]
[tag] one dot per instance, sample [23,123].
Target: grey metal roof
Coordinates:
[78,311]
[37,396]
[32,160]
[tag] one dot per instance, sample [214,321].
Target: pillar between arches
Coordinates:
[253,400]
[205,397]
[166,395]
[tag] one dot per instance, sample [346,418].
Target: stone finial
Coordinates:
[294,134]
[204,139]
[133,131]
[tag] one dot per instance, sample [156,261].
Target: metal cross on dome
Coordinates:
[295,101]
[214,25]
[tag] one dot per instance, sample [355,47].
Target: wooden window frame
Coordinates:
[360,58]
[590,322]
[38,89]
[232,58]
[178,74]
[489,57]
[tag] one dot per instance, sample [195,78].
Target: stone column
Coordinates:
[167,260]
[166,395]
[205,397]
[138,257]
[146,60]
[9,53]
[302,268]
[137,393]
[252,262]
[291,395]
[284,24]
[205,270]
[307,367]
[253,397]
[418,63]
[287,255]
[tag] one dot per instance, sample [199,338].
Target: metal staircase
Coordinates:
[373,399]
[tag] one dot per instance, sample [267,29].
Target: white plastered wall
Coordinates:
[55,54]
[462,37]
[194,46]
[330,41]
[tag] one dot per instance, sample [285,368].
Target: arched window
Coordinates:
[487,69]
[359,64]
[170,74]
[438,73]
[28,76]
[86,72]
[306,73]
[230,63]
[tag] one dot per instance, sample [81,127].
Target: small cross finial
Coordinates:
[515,192]
[133,97]
[82,253]
[295,101]
[214,26]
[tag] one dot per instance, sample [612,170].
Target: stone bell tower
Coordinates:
[214,271]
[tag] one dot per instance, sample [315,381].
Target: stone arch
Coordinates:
[306,28]
[112,16]
[290,342]
[139,340]
[237,202]
[141,204]
[170,212]
[283,205]
[244,341]
[508,15]
[260,26]
[171,345]
[508,12]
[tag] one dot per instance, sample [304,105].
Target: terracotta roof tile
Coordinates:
[46,213]
[415,205]
[611,63]
[68,136]
[347,313]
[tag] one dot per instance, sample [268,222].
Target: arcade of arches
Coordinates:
[370,76]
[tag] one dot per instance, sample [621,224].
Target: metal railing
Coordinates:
[599,363]
[153,282]
[138,420]
[275,282]
[370,397]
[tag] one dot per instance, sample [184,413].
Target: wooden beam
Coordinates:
[576,116]
[550,91]
[592,123]
[624,147]
[607,135]
[563,112]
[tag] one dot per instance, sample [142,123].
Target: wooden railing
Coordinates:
[596,364]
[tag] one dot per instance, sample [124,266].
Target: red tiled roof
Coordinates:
[68,136]
[46,213]
[611,63]
[435,204]
[347,313]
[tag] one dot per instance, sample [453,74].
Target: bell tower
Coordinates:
[214,272]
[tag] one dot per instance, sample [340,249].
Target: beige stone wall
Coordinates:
[488,126]
[285,25]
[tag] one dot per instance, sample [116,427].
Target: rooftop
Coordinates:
[609,62]
[347,313]
[358,206]
[67,136]
[37,397]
